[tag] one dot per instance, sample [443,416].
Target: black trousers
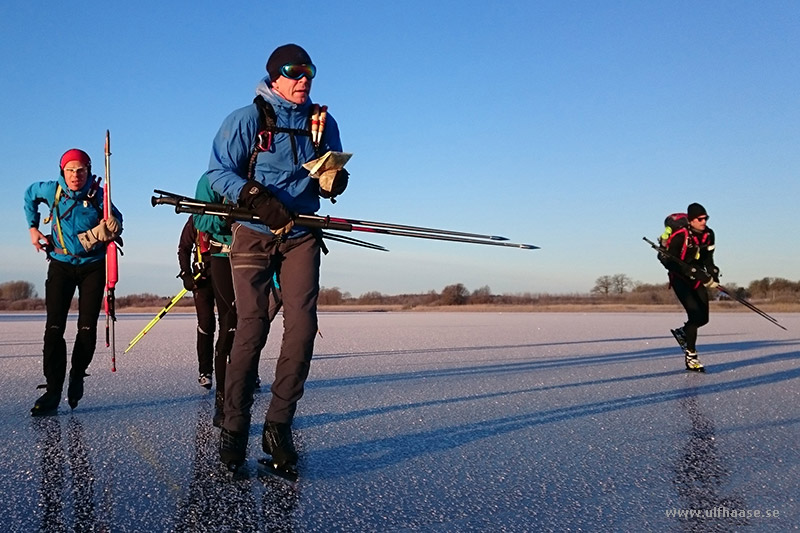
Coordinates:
[222,283]
[206,323]
[695,301]
[62,280]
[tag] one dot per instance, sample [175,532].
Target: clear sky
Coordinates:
[573,125]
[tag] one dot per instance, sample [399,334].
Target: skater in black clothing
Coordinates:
[197,243]
[694,246]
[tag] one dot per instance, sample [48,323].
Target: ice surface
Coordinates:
[423,422]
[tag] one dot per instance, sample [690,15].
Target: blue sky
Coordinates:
[573,125]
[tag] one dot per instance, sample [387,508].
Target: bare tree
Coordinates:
[603,285]
[454,295]
[17,290]
[620,282]
[481,296]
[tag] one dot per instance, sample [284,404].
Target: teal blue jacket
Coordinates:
[215,226]
[76,212]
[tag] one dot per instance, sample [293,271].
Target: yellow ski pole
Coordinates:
[159,316]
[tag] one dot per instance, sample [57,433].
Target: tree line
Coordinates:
[617,288]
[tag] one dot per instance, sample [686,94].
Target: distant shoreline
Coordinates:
[716,307]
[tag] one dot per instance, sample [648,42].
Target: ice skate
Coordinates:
[219,414]
[276,441]
[75,389]
[205,381]
[693,363]
[47,404]
[232,449]
[680,337]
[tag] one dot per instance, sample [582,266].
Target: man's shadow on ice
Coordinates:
[535,362]
[216,500]
[379,453]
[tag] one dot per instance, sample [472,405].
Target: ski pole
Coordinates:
[355,242]
[732,294]
[159,316]
[112,268]
[190,205]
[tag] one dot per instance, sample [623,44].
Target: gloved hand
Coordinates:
[105,231]
[705,278]
[188,280]
[333,183]
[715,274]
[269,209]
[39,240]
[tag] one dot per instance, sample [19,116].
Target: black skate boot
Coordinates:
[75,388]
[680,337]
[232,449]
[219,414]
[276,440]
[47,404]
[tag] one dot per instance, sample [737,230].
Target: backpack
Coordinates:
[672,224]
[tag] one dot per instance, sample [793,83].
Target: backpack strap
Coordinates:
[268,127]
[55,212]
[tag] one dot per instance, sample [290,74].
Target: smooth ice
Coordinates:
[423,421]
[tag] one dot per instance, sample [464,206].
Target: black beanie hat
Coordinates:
[695,210]
[285,55]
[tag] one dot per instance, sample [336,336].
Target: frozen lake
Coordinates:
[424,422]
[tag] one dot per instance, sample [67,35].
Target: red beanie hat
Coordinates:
[75,155]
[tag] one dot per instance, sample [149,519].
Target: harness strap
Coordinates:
[268,127]
[55,211]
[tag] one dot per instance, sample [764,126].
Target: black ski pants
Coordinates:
[222,283]
[62,280]
[255,258]
[206,322]
[695,301]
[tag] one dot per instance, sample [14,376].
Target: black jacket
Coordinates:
[696,251]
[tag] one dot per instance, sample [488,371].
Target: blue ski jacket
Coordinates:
[275,168]
[77,212]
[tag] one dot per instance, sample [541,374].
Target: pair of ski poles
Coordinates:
[731,293]
[185,204]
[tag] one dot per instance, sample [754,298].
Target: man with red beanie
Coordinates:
[691,279]
[75,250]
[257,162]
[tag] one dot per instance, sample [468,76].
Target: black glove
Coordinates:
[338,185]
[269,209]
[715,274]
[188,280]
[705,278]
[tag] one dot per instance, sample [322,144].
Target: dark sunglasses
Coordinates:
[702,219]
[295,72]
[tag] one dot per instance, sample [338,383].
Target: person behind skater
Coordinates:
[76,252]
[218,230]
[694,246]
[196,276]
[261,169]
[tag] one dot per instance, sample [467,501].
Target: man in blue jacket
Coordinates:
[76,253]
[256,161]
